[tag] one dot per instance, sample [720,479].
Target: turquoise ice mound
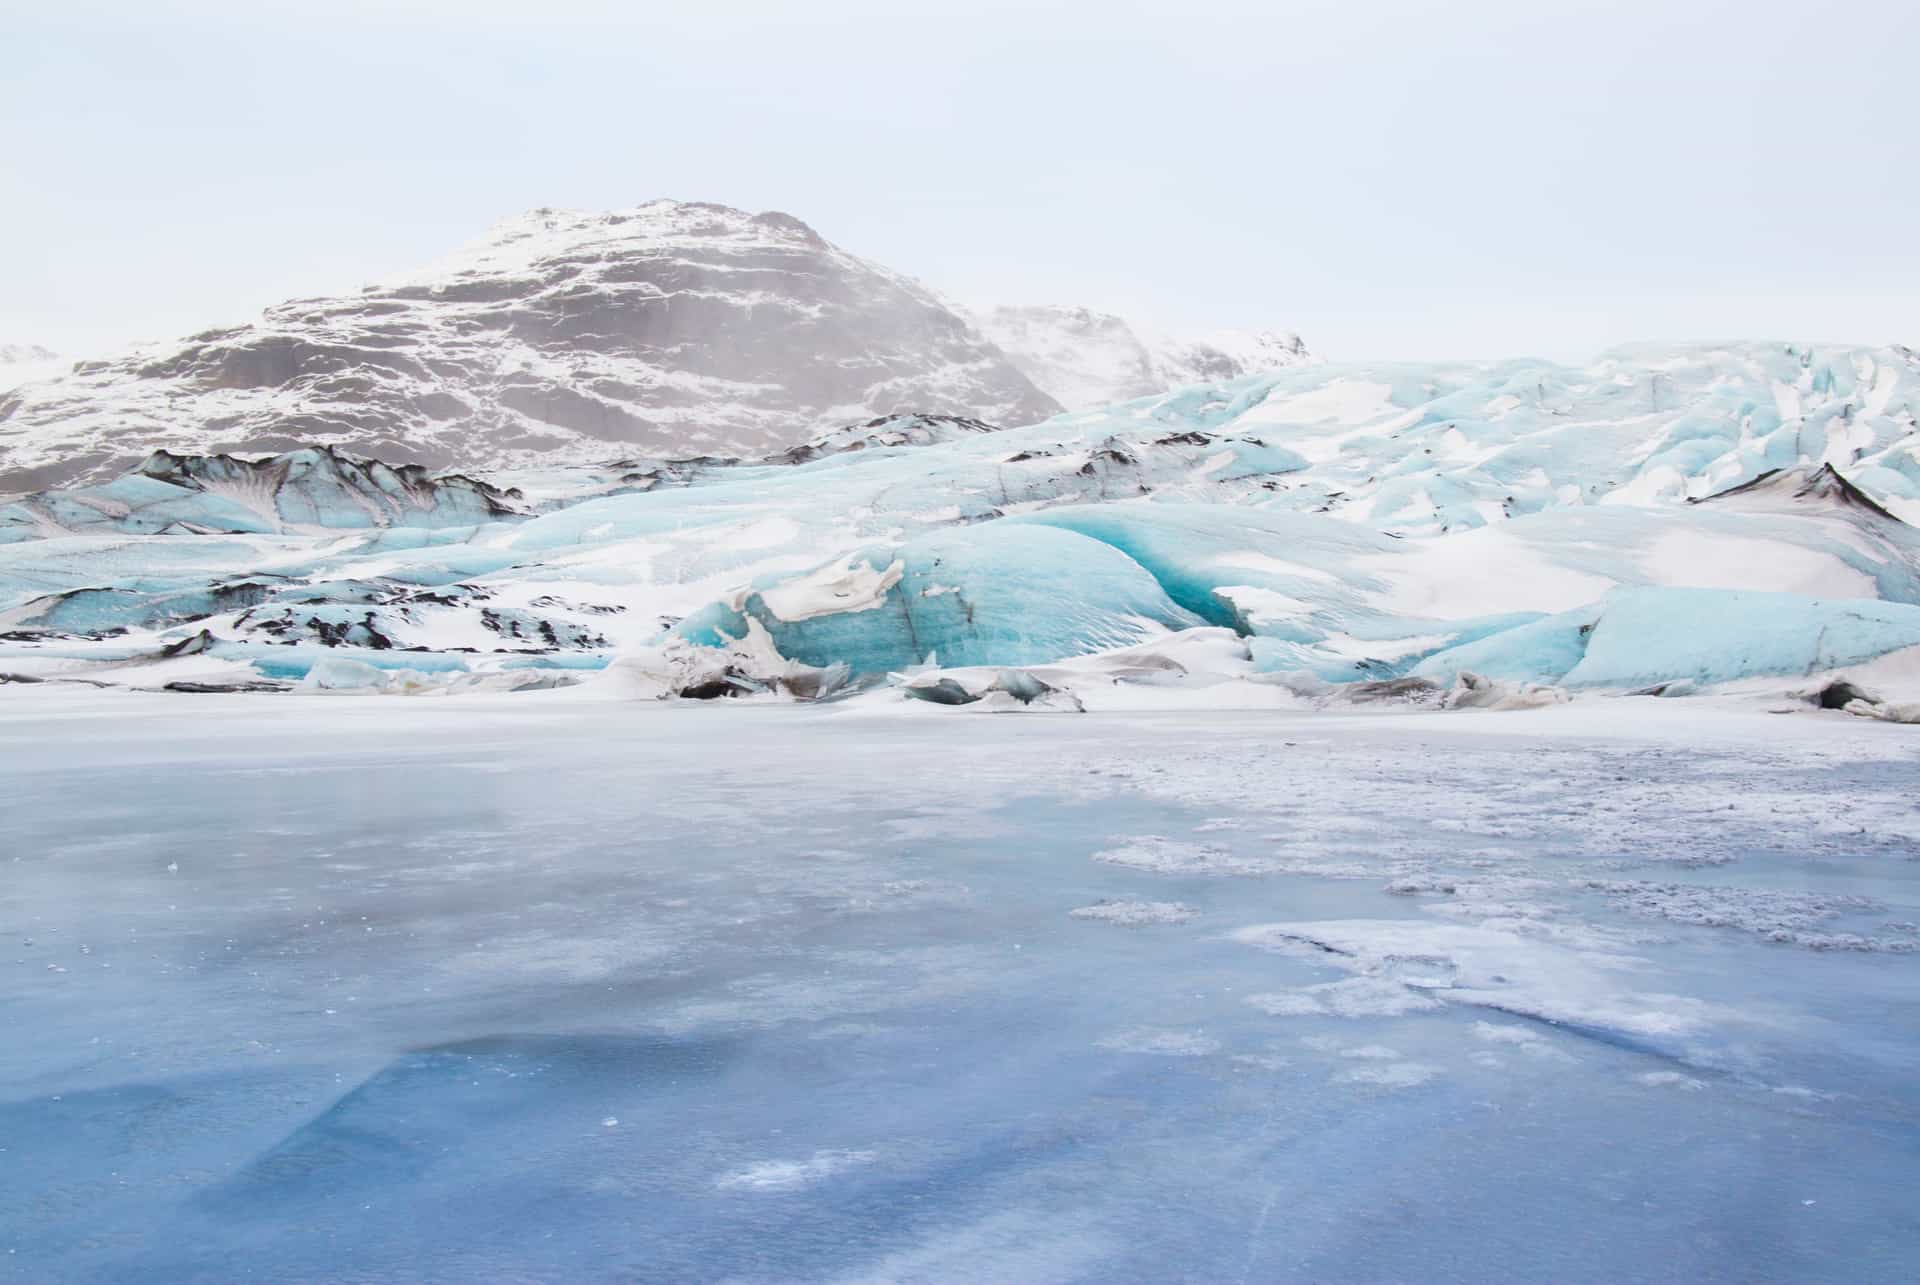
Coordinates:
[998,594]
[1639,637]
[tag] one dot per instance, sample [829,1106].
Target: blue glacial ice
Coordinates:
[994,594]
[1636,637]
[1353,525]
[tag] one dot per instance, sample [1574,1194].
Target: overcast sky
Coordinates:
[1391,179]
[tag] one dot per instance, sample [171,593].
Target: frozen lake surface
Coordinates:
[541,988]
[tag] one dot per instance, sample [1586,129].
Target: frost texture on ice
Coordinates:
[1135,914]
[1174,856]
[1355,997]
[788,1175]
[1396,1075]
[1164,1043]
[492,975]
[1518,967]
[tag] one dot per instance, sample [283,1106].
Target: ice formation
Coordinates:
[554,988]
[1663,521]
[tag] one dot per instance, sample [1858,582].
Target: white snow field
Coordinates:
[555,986]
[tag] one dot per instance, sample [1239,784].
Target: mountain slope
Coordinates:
[560,337]
[20,363]
[1084,359]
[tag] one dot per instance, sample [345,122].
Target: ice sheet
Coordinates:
[549,987]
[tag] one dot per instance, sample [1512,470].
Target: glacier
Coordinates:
[1706,515]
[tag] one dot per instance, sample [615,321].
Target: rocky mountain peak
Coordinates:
[671,328]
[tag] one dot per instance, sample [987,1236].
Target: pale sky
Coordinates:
[1391,179]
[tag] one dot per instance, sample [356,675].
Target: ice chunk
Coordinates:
[1472,691]
[1516,967]
[846,586]
[746,666]
[1005,689]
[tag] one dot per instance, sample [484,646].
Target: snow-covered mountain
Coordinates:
[673,328]
[20,363]
[1082,358]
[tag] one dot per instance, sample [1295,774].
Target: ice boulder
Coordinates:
[746,666]
[1476,691]
[1005,690]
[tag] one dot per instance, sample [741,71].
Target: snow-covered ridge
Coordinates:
[21,363]
[1083,359]
[887,431]
[560,337]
